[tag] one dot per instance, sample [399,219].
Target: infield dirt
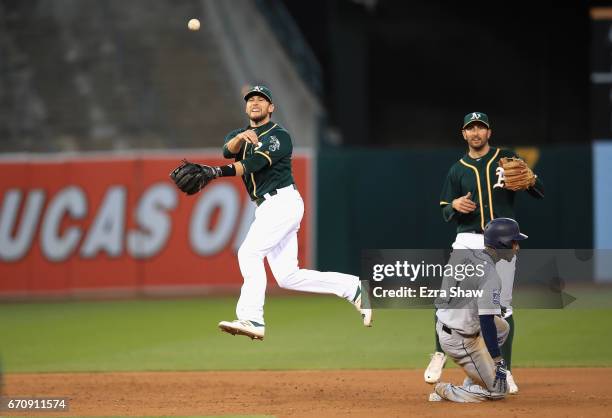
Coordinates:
[321,393]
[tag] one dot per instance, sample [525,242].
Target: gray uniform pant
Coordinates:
[472,355]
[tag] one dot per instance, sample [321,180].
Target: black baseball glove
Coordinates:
[192,177]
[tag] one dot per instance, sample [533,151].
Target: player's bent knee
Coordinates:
[502,337]
[285,279]
[283,283]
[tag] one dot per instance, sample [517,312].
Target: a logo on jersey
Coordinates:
[274,144]
[500,178]
[475,116]
[496,297]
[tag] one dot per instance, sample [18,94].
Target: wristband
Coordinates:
[226,170]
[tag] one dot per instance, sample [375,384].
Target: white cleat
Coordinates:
[434,370]
[434,397]
[251,329]
[512,387]
[366,314]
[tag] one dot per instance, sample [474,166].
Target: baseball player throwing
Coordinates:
[262,153]
[480,187]
[471,333]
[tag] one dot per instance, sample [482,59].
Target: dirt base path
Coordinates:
[335,393]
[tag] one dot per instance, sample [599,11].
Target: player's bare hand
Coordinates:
[249,136]
[464,204]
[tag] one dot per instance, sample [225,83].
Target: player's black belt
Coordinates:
[274,192]
[450,331]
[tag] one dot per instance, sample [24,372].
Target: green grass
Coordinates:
[302,332]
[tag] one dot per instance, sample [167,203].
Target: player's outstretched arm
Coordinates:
[190,177]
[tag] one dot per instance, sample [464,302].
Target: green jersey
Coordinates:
[484,179]
[267,165]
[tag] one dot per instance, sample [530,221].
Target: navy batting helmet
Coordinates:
[500,232]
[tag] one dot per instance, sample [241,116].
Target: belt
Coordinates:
[274,192]
[450,331]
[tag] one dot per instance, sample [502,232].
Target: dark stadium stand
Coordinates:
[109,75]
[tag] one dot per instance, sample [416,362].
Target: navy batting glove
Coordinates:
[500,384]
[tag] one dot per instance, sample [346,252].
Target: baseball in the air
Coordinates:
[193,24]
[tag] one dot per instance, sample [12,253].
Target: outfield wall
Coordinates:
[103,223]
[374,198]
[111,224]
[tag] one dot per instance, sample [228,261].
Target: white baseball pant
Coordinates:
[273,234]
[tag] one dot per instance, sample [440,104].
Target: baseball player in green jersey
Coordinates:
[262,153]
[473,194]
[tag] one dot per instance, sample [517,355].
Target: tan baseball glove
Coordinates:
[517,176]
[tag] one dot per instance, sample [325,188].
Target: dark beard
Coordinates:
[258,119]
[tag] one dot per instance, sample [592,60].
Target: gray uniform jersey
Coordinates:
[458,327]
[505,269]
[481,292]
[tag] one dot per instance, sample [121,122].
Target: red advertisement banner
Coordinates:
[100,223]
